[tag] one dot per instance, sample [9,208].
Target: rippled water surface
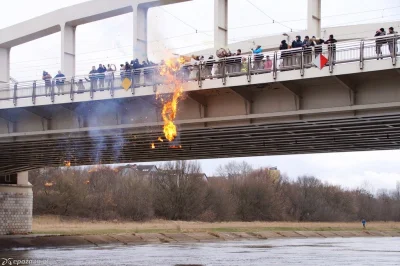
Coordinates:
[329,251]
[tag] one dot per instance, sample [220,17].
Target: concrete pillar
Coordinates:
[220,23]
[140,33]
[4,65]
[314,18]
[68,50]
[16,201]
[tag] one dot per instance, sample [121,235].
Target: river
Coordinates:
[318,251]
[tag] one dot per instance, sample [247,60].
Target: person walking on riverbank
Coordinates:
[364,222]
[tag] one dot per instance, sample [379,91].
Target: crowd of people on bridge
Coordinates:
[291,56]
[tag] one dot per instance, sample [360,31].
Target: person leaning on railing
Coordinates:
[258,57]
[47,82]
[298,43]
[331,42]
[60,79]
[101,75]
[285,55]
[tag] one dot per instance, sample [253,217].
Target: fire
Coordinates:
[160,139]
[153,146]
[48,184]
[170,106]
[176,147]
[67,163]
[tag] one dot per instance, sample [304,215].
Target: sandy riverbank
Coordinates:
[52,232]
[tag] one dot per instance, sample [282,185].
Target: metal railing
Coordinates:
[298,59]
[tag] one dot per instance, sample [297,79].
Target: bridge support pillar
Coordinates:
[220,23]
[16,200]
[68,50]
[314,18]
[4,65]
[140,33]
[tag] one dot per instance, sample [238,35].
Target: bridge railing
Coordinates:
[272,62]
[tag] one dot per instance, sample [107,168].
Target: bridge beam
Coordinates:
[140,32]
[68,50]
[4,65]
[347,84]
[314,17]
[220,23]
[201,100]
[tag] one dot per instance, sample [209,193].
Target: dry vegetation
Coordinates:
[62,225]
[178,193]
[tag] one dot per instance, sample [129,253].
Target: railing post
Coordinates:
[394,54]
[52,91]
[330,49]
[15,94]
[248,69]
[133,83]
[302,63]
[71,91]
[362,55]
[224,71]
[112,84]
[275,68]
[34,92]
[91,87]
[200,81]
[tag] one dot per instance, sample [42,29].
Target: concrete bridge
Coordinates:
[352,104]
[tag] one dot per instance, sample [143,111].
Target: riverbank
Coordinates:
[51,232]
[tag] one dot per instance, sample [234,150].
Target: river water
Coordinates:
[326,252]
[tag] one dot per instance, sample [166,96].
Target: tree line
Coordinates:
[178,191]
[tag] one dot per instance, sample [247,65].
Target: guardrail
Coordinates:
[297,59]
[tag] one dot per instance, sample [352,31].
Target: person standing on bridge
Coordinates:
[47,82]
[392,42]
[60,79]
[297,53]
[101,75]
[331,42]
[379,42]
[93,78]
[258,57]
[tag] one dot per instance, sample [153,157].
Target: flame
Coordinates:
[67,163]
[176,147]
[48,184]
[170,107]
[153,146]
[160,139]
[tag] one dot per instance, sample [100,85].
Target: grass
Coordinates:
[64,226]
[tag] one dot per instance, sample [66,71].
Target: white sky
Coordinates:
[109,41]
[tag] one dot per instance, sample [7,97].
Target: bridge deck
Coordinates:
[352,105]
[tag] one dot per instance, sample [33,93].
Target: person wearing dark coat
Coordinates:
[101,75]
[307,46]
[296,54]
[60,79]
[285,55]
[331,42]
[318,46]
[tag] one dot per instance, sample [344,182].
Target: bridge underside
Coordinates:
[358,112]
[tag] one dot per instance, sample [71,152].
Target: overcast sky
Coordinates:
[188,27]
